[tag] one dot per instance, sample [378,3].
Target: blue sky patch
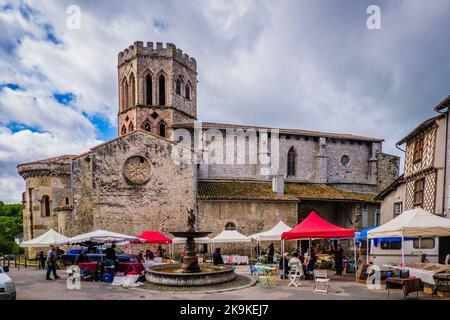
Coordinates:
[17,126]
[12,86]
[50,35]
[105,130]
[65,98]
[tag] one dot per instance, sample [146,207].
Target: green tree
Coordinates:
[10,226]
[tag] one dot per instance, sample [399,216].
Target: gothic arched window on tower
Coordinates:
[178,86]
[45,206]
[131,127]
[162,129]
[187,92]
[162,90]
[132,90]
[148,90]
[124,130]
[147,126]
[291,162]
[126,94]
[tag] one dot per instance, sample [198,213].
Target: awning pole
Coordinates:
[367,250]
[282,257]
[403,252]
[420,248]
[354,252]
[310,247]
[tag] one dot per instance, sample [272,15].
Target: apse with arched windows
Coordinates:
[45,206]
[291,159]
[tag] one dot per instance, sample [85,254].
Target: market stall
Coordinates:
[233,236]
[273,234]
[316,227]
[51,237]
[98,269]
[415,223]
[100,237]
[151,237]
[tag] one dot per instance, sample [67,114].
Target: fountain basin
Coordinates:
[174,275]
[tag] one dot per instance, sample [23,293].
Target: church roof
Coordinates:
[262,191]
[213,125]
[64,159]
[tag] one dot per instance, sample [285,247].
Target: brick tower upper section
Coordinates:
[157,87]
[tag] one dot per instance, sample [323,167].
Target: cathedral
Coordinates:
[165,162]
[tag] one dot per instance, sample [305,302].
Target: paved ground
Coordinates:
[31,284]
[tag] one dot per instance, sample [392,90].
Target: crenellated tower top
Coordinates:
[170,51]
[157,87]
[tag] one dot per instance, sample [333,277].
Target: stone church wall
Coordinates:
[124,206]
[249,217]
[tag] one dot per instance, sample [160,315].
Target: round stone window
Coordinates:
[345,160]
[137,170]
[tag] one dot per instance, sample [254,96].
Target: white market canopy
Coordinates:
[48,238]
[101,236]
[178,240]
[230,236]
[272,234]
[413,223]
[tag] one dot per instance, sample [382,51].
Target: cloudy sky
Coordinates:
[293,64]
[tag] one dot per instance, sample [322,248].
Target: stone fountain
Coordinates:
[190,272]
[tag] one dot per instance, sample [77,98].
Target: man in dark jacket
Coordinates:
[270,253]
[338,257]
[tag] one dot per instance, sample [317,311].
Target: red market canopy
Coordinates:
[316,227]
[154,237]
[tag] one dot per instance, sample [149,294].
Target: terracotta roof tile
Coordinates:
[262,191]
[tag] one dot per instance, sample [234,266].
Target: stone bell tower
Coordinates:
[157,88]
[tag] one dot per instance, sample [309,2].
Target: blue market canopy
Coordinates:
[363,236]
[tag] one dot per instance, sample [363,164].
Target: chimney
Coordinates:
[278,184]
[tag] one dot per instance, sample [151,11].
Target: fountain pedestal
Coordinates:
[190,259]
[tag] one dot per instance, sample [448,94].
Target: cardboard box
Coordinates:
[427,290]
[443,294]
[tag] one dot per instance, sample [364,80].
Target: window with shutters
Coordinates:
[398,208]
[418,150]
[419,187]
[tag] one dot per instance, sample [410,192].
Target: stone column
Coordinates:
[322,162]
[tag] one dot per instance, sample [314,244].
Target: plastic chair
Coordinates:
[321,280]
[295,274]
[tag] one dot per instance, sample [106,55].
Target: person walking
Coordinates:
[110,257]
[41,260]
[270,253]
[51,263]
[338,257]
